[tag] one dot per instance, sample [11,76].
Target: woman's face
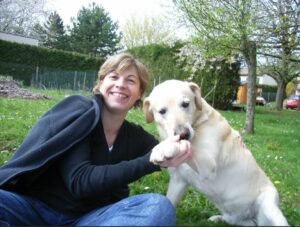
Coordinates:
[121,91]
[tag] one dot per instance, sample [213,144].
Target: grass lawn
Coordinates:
[275,145]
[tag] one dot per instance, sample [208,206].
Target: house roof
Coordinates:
[19,38]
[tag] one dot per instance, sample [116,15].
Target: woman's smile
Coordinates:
[118,94]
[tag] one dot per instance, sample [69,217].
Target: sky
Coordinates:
[119,10]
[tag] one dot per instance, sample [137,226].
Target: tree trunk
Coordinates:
[250,57]
[280,94]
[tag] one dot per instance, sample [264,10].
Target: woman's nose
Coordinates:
[120,82]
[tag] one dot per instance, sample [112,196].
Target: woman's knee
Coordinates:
[161,201]
[161,209]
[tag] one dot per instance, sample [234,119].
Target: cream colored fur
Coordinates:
[222,168]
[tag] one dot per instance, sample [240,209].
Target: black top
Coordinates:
[87,175]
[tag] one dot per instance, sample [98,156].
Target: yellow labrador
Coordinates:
[222,168]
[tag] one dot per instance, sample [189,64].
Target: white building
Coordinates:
[19,39]
[261,80]
[266,80]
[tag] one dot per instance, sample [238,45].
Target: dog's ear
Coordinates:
[148,113]
[196,90]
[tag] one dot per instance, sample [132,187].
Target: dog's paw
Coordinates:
[157,156]
[164,151]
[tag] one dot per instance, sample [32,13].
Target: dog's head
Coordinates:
[172,105]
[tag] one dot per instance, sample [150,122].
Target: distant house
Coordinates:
[266,80]
[19,39]
[242,93]
[260,80]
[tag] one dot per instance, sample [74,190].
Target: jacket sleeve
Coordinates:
[56,131]
[84,179]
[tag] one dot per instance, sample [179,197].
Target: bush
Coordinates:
[19,72]
[26,58]
[219,82]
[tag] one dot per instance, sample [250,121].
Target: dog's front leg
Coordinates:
[204,164]
[177,186]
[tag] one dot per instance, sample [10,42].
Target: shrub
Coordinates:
[219,81]
[21,60]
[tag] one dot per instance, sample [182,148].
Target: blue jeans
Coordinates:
[145,209]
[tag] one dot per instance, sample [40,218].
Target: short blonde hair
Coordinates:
[119,63]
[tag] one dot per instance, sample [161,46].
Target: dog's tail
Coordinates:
[269,213]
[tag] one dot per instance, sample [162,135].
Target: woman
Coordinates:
[75,165]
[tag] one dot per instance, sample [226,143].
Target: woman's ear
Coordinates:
[147,111]
[196,90]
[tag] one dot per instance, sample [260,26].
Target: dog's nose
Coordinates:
[183,132]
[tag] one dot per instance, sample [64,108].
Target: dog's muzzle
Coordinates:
[183,132]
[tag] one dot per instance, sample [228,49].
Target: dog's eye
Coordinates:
[163,111]
[185,104]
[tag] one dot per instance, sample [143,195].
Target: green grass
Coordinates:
[275,145]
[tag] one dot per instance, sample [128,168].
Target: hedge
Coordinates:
[160,61]
[30,57]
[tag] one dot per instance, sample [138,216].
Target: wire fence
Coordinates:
[49,78]
[58,79]
[269,96]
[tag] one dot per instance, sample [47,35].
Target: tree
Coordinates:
[273,67]
[146,31]
[226,27]
[52,33]
[19,17]
[94,32]
[279,42]
[218,78]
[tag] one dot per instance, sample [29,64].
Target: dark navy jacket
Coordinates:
[68,128]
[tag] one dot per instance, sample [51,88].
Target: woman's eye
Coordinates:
[131,81]
[163,111]
[185,104]
[113,77]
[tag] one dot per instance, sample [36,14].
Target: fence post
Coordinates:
[75,77]
[35,83]
[84,78]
